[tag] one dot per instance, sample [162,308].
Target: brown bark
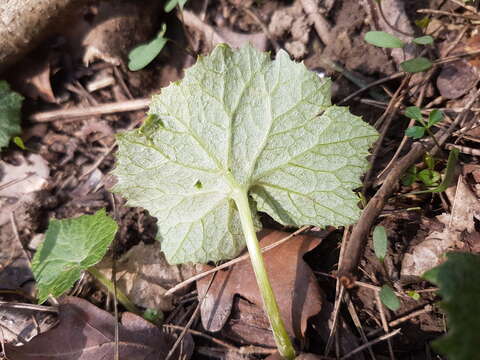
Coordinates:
[24,23]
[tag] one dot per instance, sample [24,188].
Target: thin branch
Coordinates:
[357,243]
[373,342]
[77,112]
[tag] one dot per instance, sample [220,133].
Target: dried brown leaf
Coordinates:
[144,275]
[86,332]
[19,182]
[296,289]
[22,322]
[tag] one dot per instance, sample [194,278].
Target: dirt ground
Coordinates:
[69,159]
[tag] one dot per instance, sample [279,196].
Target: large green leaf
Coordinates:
[459,286]
[239,119]
[10,105]
[71,246]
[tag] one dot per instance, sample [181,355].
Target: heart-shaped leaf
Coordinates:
[71,246]
[240,122]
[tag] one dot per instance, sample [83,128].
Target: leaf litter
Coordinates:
[144,275]
[348,22]
[289,275]
[85,332]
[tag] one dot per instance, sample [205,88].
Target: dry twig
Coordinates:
[360,232]
[75,113]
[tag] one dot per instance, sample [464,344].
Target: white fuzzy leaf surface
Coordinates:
[241,120]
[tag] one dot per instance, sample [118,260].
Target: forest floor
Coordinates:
[79,93]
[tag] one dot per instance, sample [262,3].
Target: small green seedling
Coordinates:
[423,22]
[380,242]
[70,247]
[385,40]
[240,134]
[389,298]
[459,287]
[10,113]
[447,177]
[414,295]
[415,65]
[430,177]
[417,132]
[172,4]
[17,140]
[144,54]
[380,246]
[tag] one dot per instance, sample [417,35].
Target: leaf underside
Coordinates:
[241,121]
[70,246]
[10,105]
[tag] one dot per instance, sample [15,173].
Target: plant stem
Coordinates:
[122,298]
[429,132]
[280,334]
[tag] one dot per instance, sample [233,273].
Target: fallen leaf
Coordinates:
[429,252]
[456,79]
[86,332]
[32,77]
[19,182]
[22,322]
[466,207]
[248,325]
[144,275]
[297,292]
[473,44]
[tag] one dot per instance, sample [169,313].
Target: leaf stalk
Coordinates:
[122,298]
[280,334]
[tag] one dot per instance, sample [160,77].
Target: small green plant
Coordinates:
[10,114]
[240,134]
[459,287]
[385,40]
[142,55]
[428,176]
[380,242]
[389,298]
[380,246]
[70,247]
[423,22]
[417,132]
[414,295]
[172,4]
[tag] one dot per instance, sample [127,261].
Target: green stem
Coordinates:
[429,132]
[280,334]
[122,298]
